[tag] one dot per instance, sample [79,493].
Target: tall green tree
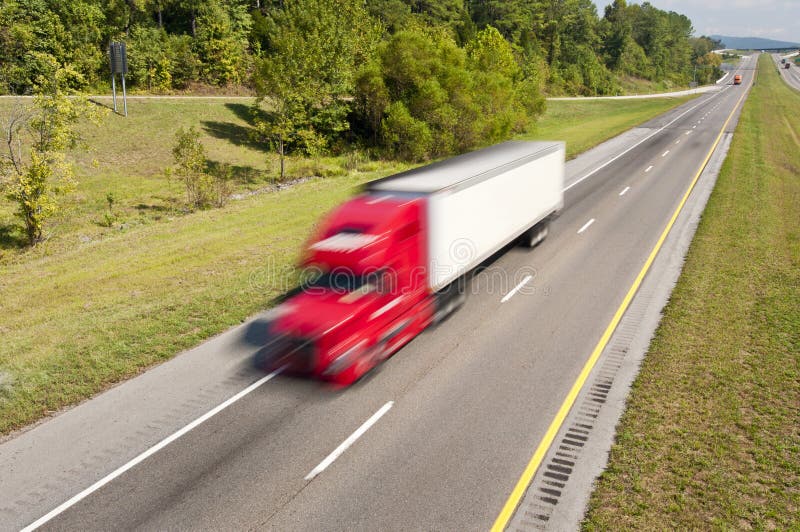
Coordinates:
[394,15]
[159,61]
[306,78]
[644,41]
[36,36]
[518,21]
[706,63]
[616,30]
[221,40]
[424,96]
[507,102]
[451,14]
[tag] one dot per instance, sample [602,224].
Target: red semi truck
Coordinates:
[393,260]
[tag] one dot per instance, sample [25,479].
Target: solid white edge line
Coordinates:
[624,191]
[516,289]
[648,137]
[146,454]
[586,226]
[349,441]
[648,168]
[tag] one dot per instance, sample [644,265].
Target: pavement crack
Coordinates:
[283,505]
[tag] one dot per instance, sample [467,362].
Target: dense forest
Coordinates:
[419,78]
[173,44]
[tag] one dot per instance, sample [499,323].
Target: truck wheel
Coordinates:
[534,236]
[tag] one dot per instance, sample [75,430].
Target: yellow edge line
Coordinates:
[524,481]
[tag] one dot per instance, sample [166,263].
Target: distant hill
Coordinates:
[753,43]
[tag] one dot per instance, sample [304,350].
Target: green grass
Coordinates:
[584,124]
[633,85]
[128,156]
[710,437]
[95,305]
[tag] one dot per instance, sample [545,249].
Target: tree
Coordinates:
[148,59]
[706,63]
[429,109]
[221,41]
[518,21]
[305,80]
[160,61]
[643,41]
[451,14]
[37,33]
[617,34]
[506,103]
[393,14]
[424,96]
[33,168]
[29,48]
[707,68]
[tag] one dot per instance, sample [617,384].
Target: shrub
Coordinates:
[203,189]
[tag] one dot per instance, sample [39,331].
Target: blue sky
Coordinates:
[771,19]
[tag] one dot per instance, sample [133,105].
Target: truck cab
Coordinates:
[364,293]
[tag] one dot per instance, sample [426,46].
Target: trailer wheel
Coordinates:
[534,236]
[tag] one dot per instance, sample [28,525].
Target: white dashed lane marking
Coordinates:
[586,226]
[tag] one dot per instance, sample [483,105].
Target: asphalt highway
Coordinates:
[790,75]
[438,436]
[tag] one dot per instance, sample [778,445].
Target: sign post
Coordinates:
[119,65]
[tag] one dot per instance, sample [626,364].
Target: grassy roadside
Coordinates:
[710,437]
[128,157]
[584,124]
[97,305]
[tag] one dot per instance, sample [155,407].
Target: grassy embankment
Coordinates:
[94,305]
[711,435]
[633,85]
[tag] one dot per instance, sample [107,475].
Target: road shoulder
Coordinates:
[559,493]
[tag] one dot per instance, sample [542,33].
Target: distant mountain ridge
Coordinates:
[753,43]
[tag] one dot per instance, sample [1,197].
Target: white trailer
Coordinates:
[480,201]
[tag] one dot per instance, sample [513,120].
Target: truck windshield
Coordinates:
[338,281]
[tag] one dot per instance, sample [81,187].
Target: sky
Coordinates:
[771,19]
